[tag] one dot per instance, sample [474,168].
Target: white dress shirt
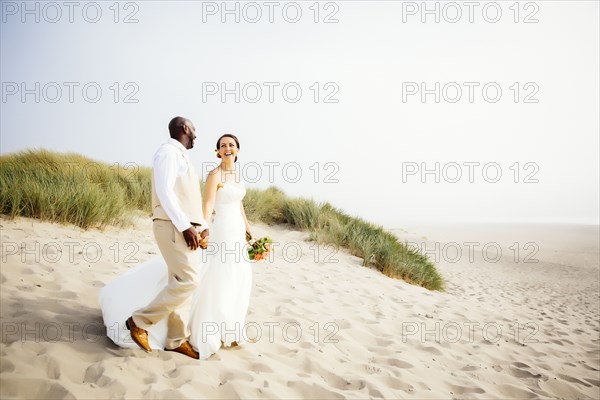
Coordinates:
[170,163]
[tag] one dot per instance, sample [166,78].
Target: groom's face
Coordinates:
[190,131]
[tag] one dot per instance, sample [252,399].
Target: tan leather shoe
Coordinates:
[139,335]
[186,349]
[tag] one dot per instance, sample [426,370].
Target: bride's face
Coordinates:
[228,149]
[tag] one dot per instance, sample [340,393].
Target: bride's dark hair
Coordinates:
[229,135]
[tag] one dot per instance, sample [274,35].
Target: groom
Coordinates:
[177,218]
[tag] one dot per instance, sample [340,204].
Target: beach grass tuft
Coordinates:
[70,188]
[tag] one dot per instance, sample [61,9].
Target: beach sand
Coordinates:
[521,324]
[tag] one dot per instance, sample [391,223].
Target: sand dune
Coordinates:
[329,328]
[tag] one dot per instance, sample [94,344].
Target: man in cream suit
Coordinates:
[177,219]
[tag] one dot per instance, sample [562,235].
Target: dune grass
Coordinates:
[70,188]
[328,225]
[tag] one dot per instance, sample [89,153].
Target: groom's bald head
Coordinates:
[176,126]
[182,130]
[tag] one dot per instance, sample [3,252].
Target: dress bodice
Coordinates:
[229,195]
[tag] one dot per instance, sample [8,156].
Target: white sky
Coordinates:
[368,137]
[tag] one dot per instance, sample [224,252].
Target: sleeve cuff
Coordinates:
[182,226]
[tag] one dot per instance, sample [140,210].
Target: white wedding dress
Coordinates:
[224,282]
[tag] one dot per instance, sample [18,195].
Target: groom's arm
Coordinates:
[165,168]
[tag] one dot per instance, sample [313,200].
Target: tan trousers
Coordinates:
[174,300]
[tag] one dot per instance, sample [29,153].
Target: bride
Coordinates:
[224,280]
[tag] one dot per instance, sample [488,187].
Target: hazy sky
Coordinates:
[328,110]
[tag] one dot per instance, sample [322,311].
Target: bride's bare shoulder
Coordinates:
[213,176]
[213,172]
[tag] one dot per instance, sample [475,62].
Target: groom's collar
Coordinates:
[177,144]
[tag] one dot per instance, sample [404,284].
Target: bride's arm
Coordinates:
[248,230]
[209,196]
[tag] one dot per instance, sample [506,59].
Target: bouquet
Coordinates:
[259,249]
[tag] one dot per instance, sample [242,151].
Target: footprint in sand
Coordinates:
[398,384]
[523,374]
[67,295]
[571,379]
[260,367]
[27,271]
[457,389]
[52,368]
[431,350]
[307,345]
[399,363]
[520,365]
[235,376]
[94,374]
[6,365]
[517,392]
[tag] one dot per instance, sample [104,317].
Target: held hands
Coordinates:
[194,239]
[203,239]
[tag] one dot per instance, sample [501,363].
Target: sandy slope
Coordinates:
[503,329]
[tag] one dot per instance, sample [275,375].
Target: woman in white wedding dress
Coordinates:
[224,281]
